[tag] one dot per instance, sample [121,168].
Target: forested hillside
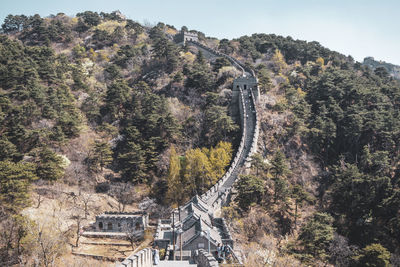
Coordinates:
[347,117]
[99,105]
[392,69]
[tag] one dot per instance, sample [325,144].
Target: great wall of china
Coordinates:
[246,94]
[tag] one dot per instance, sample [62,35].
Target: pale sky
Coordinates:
[358,28]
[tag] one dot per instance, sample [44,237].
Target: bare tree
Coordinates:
[86,199]
[124,194]
[340,251]
[133,234]
[50,244]
[395,260]
[78,220]
[39,199]
[41,192]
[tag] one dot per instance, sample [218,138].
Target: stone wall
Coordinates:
[250,80]
[236,160]
[184,37]
[120,222]
[223,196]
[205,259]
[233,61]
[143,258]
[193,245]
[253,148]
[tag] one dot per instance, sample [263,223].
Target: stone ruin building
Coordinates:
[121,222]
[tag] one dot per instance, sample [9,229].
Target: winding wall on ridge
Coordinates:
[245,89]
[218,195]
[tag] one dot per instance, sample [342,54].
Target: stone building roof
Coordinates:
[199,229]
[194,219]
[120,215]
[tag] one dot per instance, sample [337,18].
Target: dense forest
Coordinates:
[150,114]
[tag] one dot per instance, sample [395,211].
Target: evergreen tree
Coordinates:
[131,157]
[257,161]
[316,235]
[300,196]
[8,151]
[101,156]
[374,255]
[175,188]
[250,189]
[49,165]
[15,179]
[279,166]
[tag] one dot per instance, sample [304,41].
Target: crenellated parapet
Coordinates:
[142,258]
[196,221]
[246,93]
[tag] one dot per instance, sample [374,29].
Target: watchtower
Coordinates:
[184,36]
[246,83]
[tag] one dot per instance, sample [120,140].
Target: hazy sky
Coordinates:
[358,28]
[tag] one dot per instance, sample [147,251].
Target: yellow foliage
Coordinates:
[74,20]
[171,31]
[279,60]
[110,25]
[141,38]
[220,156]
[284,77]
[198,172]
[301,92]
[115,47]
[189,57]
[104,55]
[92,55]
[320,61]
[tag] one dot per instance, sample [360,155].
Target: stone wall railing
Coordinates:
[216,189]
[234,62]
[143,258]
[204,259]
[253,148]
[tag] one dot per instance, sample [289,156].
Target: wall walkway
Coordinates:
[218,195]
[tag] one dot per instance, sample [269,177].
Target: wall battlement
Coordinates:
[183,37]
[245,90]
[246,93]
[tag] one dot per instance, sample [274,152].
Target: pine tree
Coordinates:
[15,179]
[300,196]
[279,165]
[373,255]
[250,189]
[175,188]
[49,165]
[317,234]
[257,161]
[101,156]
[132,163]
